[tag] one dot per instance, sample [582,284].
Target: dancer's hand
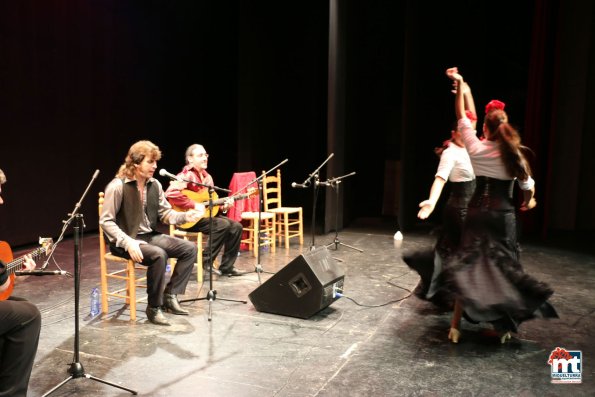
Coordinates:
[528,206]
[453,74]
[427,207]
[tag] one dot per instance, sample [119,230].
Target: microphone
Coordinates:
[36,272]
[303,186]
[326,183]
[163,172]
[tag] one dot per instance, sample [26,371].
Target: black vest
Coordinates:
[130,214]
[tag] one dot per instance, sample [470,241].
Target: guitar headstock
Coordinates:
[252,191]
[46,243]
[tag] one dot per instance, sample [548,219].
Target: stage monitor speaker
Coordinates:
[308,284]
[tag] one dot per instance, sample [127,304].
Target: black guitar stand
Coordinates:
[334,183]
[211,294]
[76,369]
[258,267]
[313,176]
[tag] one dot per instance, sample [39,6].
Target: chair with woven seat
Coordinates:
[120,277]
[267,231]
[189,236]
[289,220]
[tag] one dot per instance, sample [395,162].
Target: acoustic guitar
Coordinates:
[16,265]
[202,197]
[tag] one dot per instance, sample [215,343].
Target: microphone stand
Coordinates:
[334,184]
[76,369]
[258,267]
[211,294]
[306,183]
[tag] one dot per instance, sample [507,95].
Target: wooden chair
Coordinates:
[288,219]
[120,277]
[267,230]
[189,236]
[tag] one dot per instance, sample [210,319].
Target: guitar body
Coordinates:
[202,197]
[6,256]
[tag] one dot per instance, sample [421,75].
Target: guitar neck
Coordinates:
[222,200]
[17,264]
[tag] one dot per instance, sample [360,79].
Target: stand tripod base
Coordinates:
[211,296]
[76,371]
[337,243]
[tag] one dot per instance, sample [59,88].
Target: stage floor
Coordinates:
[377,340]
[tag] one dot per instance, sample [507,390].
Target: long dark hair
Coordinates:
[513,152]
[136,155]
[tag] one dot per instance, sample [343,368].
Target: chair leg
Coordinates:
[286,229]
[273,238]
[301,227]
[199,275]
[255,239]
[132,289]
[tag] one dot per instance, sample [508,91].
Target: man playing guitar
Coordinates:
[226,233]
[20,324]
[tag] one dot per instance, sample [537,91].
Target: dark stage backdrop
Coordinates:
[82,80]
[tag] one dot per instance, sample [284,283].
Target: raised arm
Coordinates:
[453,74]
[470,105]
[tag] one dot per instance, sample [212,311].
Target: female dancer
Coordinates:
[485,276]
[454,167]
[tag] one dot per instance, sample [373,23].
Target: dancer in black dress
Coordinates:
[455,168]
[486,277]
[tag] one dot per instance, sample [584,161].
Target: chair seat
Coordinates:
[254,215]
[285,210]
[267,230]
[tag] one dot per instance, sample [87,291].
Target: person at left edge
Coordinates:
[134,203]
[20,326]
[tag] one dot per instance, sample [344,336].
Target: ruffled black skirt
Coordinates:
[486,275]
[479,264]
[429,263]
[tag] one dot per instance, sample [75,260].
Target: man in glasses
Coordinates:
[185,195]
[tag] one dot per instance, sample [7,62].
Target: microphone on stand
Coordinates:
[303,186]
[41,273]
[163,172]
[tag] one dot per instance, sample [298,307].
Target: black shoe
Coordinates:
[171,305]
[155,315]
[205,270]
[233,272]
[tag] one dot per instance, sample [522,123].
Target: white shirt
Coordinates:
[486,157]
[455,165]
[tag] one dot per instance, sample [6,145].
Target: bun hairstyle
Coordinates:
[438,150]
[513,152]
[494,104]
[136,154]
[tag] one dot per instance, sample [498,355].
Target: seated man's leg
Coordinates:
[20,324]
[232,241]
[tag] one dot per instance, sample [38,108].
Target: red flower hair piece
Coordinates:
[470,115]
[495,104]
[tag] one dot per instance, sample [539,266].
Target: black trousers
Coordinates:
[20,324]
[159,248]
[227,234]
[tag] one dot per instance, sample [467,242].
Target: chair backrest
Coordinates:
[271,191]
[101,235]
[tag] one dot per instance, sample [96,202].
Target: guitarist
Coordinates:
[20,324]
[226,233]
